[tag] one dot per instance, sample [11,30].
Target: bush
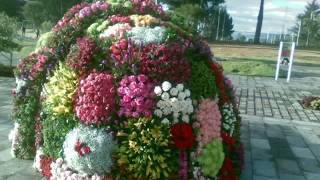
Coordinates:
[6,71]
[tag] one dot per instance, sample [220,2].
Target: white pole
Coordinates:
[279,60]
[291,61]
[299,32]
[217,37]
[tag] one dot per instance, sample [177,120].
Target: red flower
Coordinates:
[227,171]
[82,148]
[45,166]
[228,140]
[218,73]
[182,135]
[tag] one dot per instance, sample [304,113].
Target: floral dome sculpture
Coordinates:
[120,89]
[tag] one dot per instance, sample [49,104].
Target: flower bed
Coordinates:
[119,90]
[311,102]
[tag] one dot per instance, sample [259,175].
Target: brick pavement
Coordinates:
[265,97]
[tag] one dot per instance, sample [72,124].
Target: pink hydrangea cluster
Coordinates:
[137,96]
[90,9]
[119,19]
[208,121]
[95,99]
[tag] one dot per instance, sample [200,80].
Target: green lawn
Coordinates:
[259,60]
[248,67]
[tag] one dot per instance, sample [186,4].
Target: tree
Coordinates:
[203,16]
[8,29]
[55,9]
[310,25]
[259,23]
[12,7]
[38,16]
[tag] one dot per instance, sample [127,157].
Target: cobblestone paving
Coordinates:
[265,97]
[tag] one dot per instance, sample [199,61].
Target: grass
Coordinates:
[259,60]
[248,68]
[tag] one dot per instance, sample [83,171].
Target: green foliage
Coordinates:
[202,16]
[192,13]
[11,7]
[46,40]
[55,129]
[211,158]
[34,11]
[55,9]
[46,26]
[145,151]
[310,25]
[8,29]
[25,116]
[202,81]
[6,71]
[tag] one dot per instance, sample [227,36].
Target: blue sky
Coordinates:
[278,14]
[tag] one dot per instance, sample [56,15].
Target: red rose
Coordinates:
[182,135]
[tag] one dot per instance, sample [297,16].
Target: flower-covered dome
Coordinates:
[121,90]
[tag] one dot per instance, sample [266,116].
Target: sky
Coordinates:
[278,14]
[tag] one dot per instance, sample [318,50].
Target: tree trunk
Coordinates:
[259,23]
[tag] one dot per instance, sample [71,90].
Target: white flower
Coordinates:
[175,114]
[187,92]
[165,121]
[190,109]
[180,87]
[147,35]
[158,113]
[158,90]
[116,30]
[166,111]
[181,95]
[37,159]
[174,91]
[166,86]
[185,118]
[165,96]
[175,120]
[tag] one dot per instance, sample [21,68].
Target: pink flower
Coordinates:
[95,99]
[137,97]
[208,121]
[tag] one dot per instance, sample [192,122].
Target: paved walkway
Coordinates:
[280,142]
[278,99]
